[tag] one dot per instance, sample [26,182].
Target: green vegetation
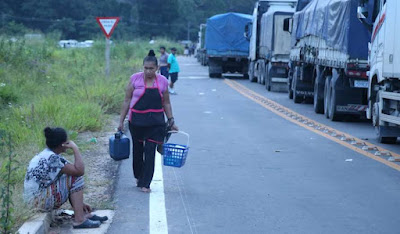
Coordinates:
[75,19]
[43,85]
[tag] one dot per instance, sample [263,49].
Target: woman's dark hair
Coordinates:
[151,57]
[55,137]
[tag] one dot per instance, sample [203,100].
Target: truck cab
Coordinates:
[269,43]
[382,18]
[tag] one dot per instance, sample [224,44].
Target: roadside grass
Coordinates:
[43,85]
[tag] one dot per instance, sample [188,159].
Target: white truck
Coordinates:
[382,17]
[269,43]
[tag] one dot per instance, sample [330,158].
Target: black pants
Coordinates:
[143,162]
[174,76]
[144,152]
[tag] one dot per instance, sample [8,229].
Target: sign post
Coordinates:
[107,25]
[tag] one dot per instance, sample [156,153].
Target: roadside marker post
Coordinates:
[107,25]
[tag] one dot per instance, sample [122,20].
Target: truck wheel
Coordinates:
[290,93]
[262,74]
[375,123]
[333,115]
[296,97]
[327,97]
[318,103]
[259,75]
[251,72]
[215,75]
[267,79]
[290,90]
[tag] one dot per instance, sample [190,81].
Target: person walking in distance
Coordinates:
[147,100]
[163,62]
[173,69]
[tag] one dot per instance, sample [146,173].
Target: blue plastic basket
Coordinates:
[175,154]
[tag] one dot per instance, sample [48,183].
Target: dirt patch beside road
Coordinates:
[100,169]
[101,172]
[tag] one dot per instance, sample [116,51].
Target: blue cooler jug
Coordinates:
[119,146]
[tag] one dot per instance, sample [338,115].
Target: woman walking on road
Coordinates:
[146,100]
[51,180]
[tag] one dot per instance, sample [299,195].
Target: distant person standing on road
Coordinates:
[146,99]
[173,69]
[186,50]
[163,62]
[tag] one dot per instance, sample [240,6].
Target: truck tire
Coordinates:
[251,72]
[296,97]
[333,115]
[327,96]
[215,75]
[318,103]
[290,93]
[245,71]
[262,74]
[375,122]
[290,90]
[267,78]
[289,82]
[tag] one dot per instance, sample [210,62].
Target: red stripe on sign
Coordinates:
[378,26]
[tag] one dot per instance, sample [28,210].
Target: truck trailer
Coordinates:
[329,57]
[201,53]
[269,43]
[226,48]
[382,18]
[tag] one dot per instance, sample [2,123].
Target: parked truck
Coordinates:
[226,48]
[201,53]
[269,43]
[382,17]
[329,58]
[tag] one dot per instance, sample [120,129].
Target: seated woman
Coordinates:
[51,180]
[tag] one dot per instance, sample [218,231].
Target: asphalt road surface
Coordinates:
[250,170]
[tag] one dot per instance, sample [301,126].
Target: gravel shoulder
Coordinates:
[101,172]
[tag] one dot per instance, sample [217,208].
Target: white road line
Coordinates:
[183,196]
[194,77]
[157,212]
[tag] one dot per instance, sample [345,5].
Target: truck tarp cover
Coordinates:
[224,34]
[336,22]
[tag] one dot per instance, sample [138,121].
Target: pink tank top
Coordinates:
[137,80]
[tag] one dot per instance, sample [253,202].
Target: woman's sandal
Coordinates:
[88,224]
[99,218]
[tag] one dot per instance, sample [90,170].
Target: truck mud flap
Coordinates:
[351,101]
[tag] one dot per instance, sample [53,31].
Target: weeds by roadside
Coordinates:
[42,85]
[8,180]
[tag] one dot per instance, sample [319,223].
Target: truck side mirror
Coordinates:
[362,12]
[247,30]
[362,15]
[287,25]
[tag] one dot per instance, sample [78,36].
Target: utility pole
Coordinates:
[107,55]
[188,31]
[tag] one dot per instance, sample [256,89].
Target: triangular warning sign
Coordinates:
[107,24]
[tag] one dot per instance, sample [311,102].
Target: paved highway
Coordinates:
[253,170]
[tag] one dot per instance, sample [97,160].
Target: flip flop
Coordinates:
[88,224]
[98,218]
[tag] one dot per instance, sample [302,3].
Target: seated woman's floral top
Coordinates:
[43,170]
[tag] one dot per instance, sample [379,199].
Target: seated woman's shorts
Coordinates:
[58,193]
